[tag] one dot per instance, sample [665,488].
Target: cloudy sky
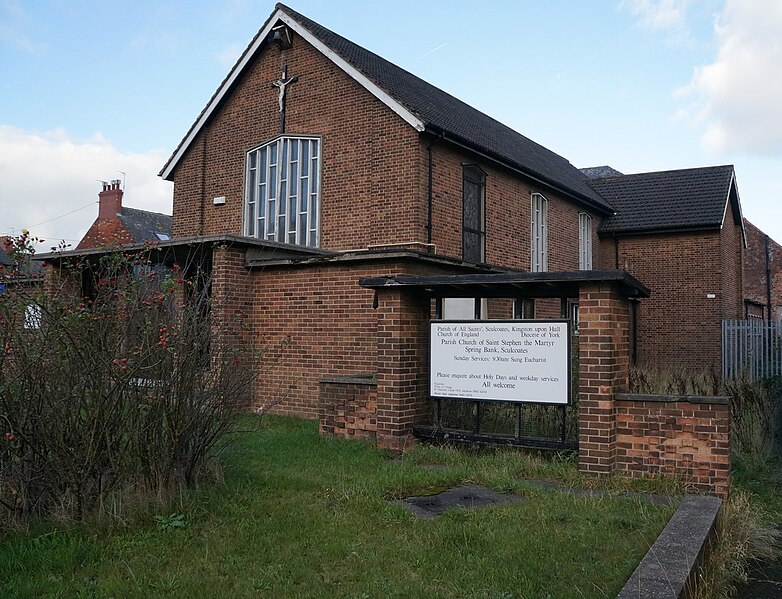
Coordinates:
[99,90]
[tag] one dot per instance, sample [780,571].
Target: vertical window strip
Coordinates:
[585,241]
[539,233]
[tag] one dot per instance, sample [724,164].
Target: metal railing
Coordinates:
[751,347]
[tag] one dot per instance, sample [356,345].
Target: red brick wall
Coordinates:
[678,437]
[678,326]
[370,157]
[403,364]
[105,232]
[732,246]
[374,169]
[754,280]
[329,319]
[348,407]
[604,368]
[508,224]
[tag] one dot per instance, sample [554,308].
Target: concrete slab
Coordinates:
[429,507]
[666,569]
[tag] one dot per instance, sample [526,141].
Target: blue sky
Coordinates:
[100,90]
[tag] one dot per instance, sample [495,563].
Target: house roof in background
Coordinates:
[146,226]
[596,172]
[421,104]
[693,198]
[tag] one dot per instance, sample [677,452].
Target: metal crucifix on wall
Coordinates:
[282,83]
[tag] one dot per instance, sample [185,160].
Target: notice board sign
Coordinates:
[501,360]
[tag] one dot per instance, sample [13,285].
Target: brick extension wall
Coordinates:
[688,437]
[639,435]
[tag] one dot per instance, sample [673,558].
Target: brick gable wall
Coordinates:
[731,246]
[105,232]
[369,171]
[679,325]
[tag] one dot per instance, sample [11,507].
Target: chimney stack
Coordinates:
[110,200]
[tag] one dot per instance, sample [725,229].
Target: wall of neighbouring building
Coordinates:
[758,264]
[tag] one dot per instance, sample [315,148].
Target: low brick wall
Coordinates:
[681,435]
[347,407]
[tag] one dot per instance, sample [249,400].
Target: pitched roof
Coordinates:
[421,104]
[693,198]
[146,226]
[596,172]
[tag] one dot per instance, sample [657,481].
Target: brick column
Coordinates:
[604,369]
[230,309]
[402,370]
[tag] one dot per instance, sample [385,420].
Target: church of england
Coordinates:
[321,183]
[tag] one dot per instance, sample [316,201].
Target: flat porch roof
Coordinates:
[511,284]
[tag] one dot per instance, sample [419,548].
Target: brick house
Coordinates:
[317,163]
[120,225]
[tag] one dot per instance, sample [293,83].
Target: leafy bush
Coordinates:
[127,380]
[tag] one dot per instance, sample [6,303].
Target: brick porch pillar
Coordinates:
[604,369]
[402,369]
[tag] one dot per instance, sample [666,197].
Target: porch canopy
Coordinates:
[511,284]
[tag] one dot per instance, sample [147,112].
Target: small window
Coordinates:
[473,219]
[33,316]
[584,241]
[162,236]
[539,235]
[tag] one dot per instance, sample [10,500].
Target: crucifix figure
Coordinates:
[282,83]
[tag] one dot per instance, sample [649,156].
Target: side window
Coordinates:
[539,233]
[473,215]
[584,241]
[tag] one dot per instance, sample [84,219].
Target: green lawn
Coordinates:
[299,515]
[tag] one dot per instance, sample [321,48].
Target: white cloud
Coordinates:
[739,96]
[12,20]
[659,14]
[45,176]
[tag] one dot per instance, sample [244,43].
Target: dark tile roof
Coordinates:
[146,226]
[667,200]
[597,172]
[442,112]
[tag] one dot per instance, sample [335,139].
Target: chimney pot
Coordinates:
[110,200]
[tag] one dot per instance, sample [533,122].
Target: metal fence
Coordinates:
[751,347]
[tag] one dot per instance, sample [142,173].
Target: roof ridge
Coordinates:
[669,171]
[145,211]
[302,17]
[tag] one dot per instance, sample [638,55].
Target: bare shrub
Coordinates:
[127,381]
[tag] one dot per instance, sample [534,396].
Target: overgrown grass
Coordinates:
[299,515]
[747,530]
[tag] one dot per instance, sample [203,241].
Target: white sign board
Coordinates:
[503,360]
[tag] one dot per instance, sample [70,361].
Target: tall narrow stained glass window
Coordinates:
[473,219]
[539,234]
[282,191]
[584,241]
